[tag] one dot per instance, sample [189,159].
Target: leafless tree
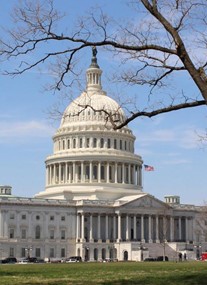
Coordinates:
[168,37]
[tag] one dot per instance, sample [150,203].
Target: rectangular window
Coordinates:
[52,234]
[11,252]
[11,216]
[62,252]
[24,217]
[24,234]
[23,252]
[37,252]
[52,218]
[62,234]
[52,252]
[11,233]
[62,218]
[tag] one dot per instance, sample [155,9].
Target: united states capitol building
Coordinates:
[94,204]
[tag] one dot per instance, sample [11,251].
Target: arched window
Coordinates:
[68,144]
[94,142]
[87,142]
[120,144]
[37,232]
[115,144]
[108,143]
[102,142]
[63,144]
[81,143]
[74,143]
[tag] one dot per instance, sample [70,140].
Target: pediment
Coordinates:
[145,201]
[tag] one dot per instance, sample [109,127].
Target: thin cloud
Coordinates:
[24,130]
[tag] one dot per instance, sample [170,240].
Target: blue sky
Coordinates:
[168,142]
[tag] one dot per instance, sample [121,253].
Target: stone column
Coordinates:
[150,228]
[115,173]
[107,172]
[114,227]
[133,174]
[99,229]
[142,228]
[91,228]
[82,228]
[59,173]
[179,228]
[186,230]
[77,227]
[66,172]
[82,172]
[99,172]
[70,172]
[157,230]
[129,174]
[171,229]
[107,227]
[127,227]
[123,173]
[74,172]
[91,171]
[135,227]
[119,227]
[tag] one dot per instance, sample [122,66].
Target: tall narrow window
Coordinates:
[102,142]
[81,143]
[37,232]
[115,144]
[94,142]
[108,143]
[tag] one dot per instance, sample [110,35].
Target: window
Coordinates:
[81,143]
[94,142]
[62,234]
[63,144]
[52,252]
[102,142]
[37,252]
[11,233]
[11,216]
[120,144]
[62,218]
[87,172]
[95,172]
[23,234]
[74,143]
[37,232]
[11,252]
[115,144]
[52,218]
[37,218]
[102,172]
[52,234]
[68,144]
[109,143]
[23,252]
[87,142]
[24,217]
[62,252]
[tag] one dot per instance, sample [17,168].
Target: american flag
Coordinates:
[148,167]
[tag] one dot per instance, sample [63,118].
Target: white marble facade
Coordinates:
[93,204]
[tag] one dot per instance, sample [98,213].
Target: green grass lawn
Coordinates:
[119,273]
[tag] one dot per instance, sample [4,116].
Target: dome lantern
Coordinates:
[94,74]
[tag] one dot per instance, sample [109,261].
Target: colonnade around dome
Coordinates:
[94,172]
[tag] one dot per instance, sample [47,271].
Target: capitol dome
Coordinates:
[92,160]
[93,105]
